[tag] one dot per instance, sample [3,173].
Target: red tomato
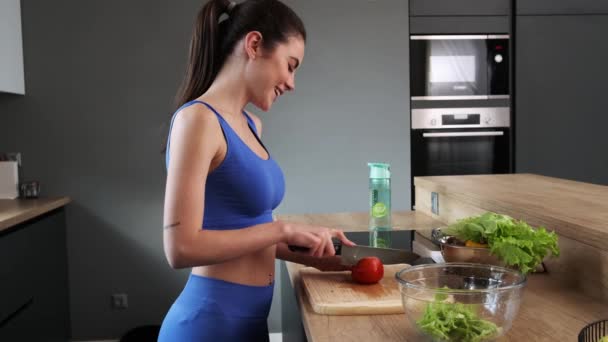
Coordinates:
[368,270]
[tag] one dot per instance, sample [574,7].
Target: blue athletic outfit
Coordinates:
[241,192]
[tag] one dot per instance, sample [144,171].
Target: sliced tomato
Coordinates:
[368,270]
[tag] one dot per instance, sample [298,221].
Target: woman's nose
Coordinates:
[290,84]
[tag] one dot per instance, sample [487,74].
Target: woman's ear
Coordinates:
[253,44]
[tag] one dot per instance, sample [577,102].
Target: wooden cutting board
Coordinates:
[335,293]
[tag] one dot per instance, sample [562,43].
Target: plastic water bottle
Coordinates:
[380,205]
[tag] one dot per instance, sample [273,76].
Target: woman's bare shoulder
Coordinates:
[197,114]
[195,125]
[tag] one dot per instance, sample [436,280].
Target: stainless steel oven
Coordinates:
[459,67]
[460,141]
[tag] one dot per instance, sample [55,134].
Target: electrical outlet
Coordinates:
[435,203]
[120,301]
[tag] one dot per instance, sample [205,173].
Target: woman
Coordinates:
[221,175]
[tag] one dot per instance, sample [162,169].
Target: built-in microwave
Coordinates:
[459,67]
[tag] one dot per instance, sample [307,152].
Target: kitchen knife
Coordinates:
[351,255]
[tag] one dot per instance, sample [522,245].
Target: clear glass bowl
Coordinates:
[461,301]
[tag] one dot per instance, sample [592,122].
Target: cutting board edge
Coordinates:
[347,310]
[387,306]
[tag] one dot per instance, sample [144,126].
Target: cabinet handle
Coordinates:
[448,37]
[463,134]
[457,36]
[17,312]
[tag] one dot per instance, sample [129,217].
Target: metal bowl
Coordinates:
[454,252]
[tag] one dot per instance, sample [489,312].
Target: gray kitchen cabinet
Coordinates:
[34,283]
[11,48]
[561,115]
[554,7]
[458,7]
[459,16]
[459,25]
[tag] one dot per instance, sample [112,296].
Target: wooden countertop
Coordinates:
[13,212]
[359,221]
[548,312]
[575,210]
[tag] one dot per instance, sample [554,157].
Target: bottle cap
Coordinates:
[379,170]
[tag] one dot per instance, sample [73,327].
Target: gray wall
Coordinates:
[351,106]
[100,79]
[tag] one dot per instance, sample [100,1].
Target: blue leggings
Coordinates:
[210,309]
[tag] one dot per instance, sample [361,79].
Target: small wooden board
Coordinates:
[335,293]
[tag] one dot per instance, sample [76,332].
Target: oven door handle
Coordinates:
[463,134]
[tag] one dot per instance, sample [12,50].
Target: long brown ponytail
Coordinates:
[203,64]
[213,40]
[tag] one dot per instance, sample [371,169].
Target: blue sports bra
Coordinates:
[244,189]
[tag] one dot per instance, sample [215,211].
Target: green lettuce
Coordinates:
[454,322]
[512,241]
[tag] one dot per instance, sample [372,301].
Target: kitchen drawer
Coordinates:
[458,7]
[561,7]
[16,294]
[22,326]
[16,259]
[33,269]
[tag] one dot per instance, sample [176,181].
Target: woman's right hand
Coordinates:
[317,239]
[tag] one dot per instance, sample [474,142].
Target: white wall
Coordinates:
[11,48]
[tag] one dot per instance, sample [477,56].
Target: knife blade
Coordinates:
[351,255]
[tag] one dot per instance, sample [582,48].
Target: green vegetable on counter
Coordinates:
[512,241]
[454,322]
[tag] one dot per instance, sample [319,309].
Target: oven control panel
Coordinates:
[445,118]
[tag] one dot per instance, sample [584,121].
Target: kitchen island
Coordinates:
[548,312]
[576,211]
[556,304]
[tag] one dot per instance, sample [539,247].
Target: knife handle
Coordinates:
[337,247]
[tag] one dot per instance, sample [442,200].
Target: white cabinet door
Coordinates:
[11,48]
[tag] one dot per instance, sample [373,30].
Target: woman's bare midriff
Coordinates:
[255,269]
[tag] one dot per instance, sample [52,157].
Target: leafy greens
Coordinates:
[513,241]
[454,322]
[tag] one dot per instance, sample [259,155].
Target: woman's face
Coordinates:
[272,73]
